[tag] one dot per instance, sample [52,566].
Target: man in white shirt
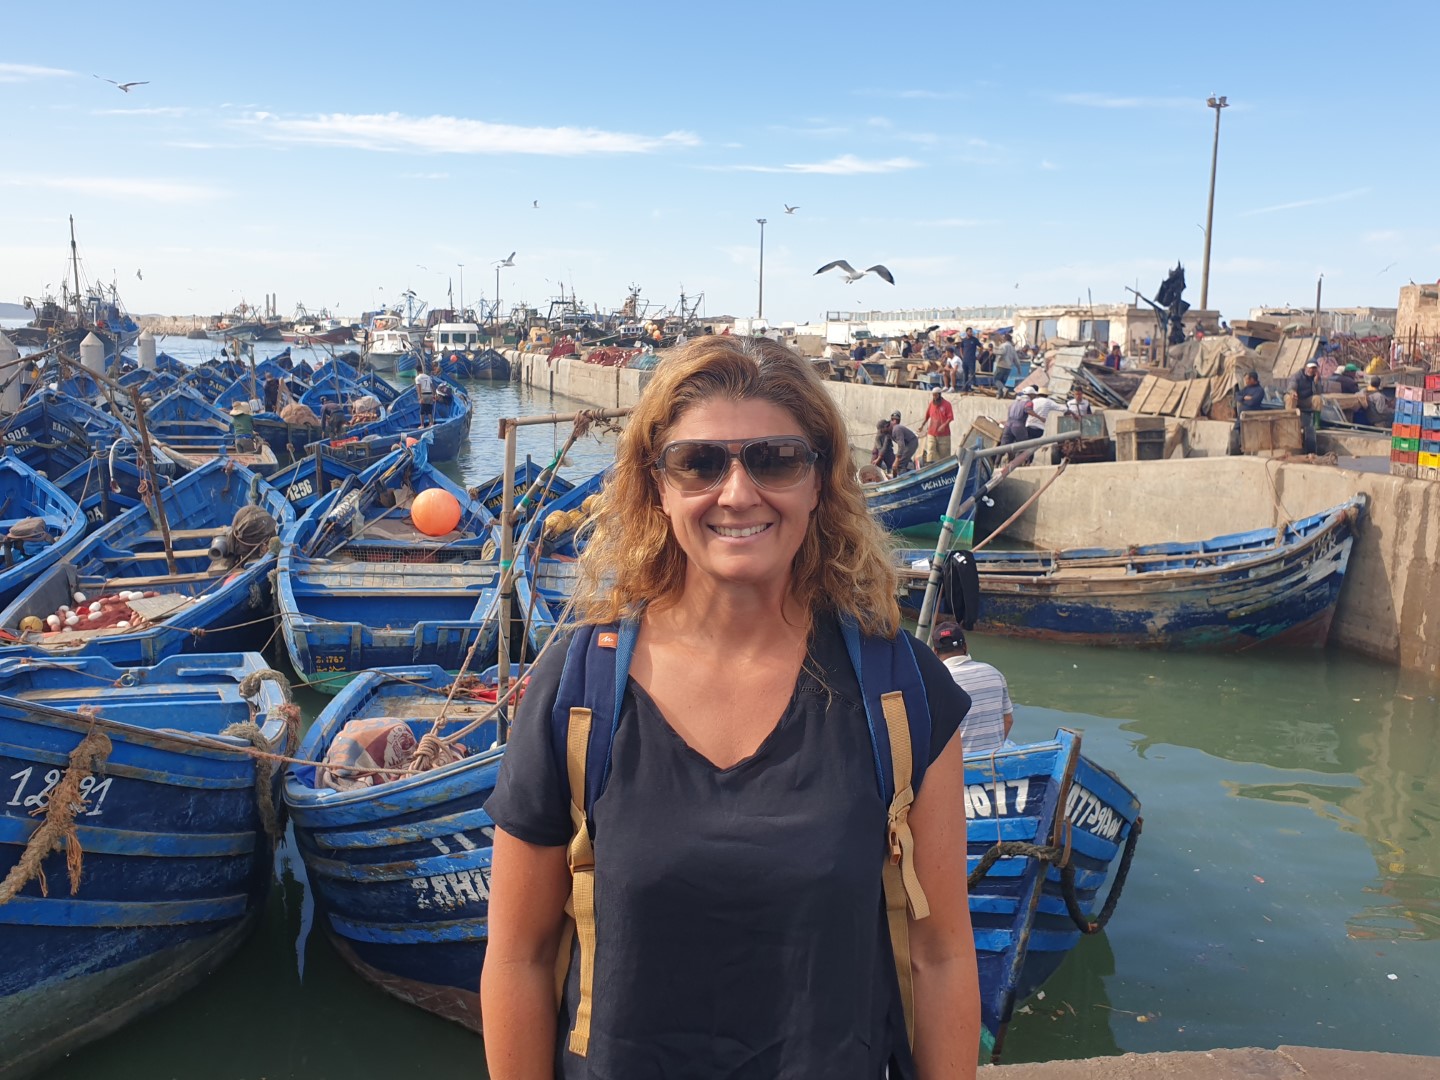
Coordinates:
[425,394]
[1043,407]
[987,725]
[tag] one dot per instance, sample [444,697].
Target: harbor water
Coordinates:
[1286,889]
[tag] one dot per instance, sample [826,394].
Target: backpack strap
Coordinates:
[583,723]
[900,762]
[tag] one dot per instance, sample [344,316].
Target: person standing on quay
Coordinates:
[969,351]
[1006,361]
[737,845]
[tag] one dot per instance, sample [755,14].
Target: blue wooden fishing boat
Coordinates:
[1229,592]
[306,482]
[1044,825]
[360,586]
[39,525]
[491,493]
[169,840]
[400,871]
[206,604]
[919,498]
[365,444]
[487,364]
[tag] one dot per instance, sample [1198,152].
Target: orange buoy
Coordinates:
[435,512]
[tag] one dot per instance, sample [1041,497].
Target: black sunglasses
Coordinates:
[774,463]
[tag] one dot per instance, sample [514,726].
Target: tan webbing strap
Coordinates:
[582,879]
[904,899]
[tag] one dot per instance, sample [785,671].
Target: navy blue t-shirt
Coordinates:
[739,912]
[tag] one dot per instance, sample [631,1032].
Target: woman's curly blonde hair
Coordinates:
[633,560]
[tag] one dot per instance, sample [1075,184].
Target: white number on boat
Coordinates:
[982,800]
[90,788]
[299,490]
[1089,813]
[449,891]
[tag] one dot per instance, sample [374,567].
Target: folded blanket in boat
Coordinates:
[384,743]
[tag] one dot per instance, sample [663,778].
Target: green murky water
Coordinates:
[1286,888]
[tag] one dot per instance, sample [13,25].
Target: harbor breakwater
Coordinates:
[1389,608]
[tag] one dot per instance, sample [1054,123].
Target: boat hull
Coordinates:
[921,497]
[174,856]
[1042,794]
[1231,593]
[401,872]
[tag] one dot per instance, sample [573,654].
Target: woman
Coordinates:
[738,843]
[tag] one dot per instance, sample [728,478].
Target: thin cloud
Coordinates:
[909,95]
[17,73]
[1323,200]
[1113,101]
[395,132]
[159,110]
[1048,166]
[121,188]
[425,176]
[844,165]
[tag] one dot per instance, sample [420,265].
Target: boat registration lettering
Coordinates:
[1000,797]
[446,892]
[299,490]
[90,787]
[1087,812]
[331,662]
[17,434]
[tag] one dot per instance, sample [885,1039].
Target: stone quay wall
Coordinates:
[1389,608]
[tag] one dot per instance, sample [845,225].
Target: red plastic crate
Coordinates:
[1432,382]
[1408,432]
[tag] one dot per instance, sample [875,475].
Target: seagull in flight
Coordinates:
[139,276]
[789,209]
[1386,268]
[852,275]
[509,260]
[125,86]
[535,205]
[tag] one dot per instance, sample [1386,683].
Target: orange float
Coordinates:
[435,512]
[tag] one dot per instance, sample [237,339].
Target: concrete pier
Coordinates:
[1283,1063]
[1388,608]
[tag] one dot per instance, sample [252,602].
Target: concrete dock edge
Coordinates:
[1247,1063]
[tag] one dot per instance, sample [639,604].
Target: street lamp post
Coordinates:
[760,306]
[1216,103]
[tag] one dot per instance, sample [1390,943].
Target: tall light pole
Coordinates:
[1216,103]
[462,287]
[760,306]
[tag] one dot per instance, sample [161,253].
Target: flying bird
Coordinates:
[535,205]
[125,86]
[509,260]
[1386,268]
[789,209]
[852,275]
[139,276]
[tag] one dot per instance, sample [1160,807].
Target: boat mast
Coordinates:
[75,266]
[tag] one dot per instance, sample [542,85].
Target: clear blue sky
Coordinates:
[339,154]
